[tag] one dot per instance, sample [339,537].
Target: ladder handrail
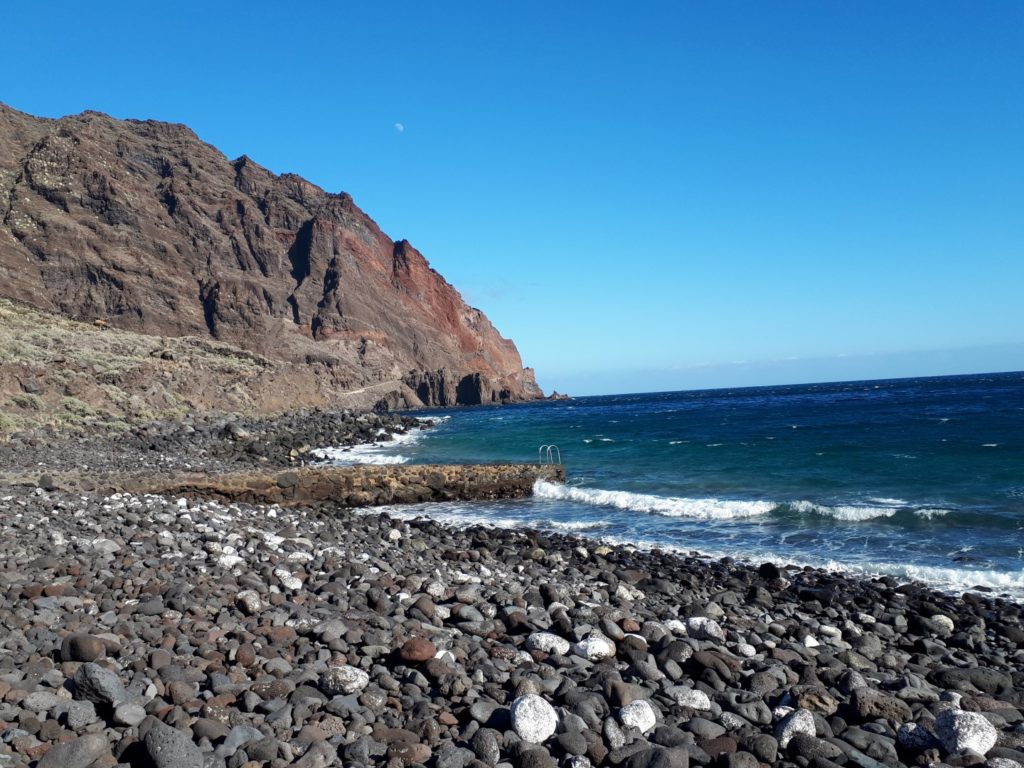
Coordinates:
[546,454]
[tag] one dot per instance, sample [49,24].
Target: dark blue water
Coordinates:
[918,478]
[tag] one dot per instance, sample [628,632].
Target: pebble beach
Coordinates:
[185,633]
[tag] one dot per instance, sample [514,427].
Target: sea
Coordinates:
[919,479]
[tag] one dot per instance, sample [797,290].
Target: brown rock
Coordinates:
[417,649]
[82,647]
[246,654]
[410,754]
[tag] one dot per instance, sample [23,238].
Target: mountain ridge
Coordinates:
[143,226]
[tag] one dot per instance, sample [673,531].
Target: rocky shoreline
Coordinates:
[142,630]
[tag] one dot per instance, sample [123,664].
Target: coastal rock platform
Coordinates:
[349,486]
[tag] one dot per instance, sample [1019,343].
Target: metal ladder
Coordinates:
[547,454]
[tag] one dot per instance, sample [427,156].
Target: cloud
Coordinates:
[399,127]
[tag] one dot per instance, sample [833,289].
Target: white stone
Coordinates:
[394,535]
[959,730]
[703,628]
[689,697]
[800,721]
[343,679]
[732,722]
[533,718]
[105,546]
[595,648]
[676,627]
[810,642]
[548,643]
[944,621]
[227,562]
[435,589]
[249,601]
[288,581]
[746,649]
[640,715]
[1002,762]
[629,593]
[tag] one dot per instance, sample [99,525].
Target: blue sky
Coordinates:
[668,196]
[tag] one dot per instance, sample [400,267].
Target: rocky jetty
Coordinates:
[154,631]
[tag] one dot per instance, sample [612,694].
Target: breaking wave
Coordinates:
[668,506]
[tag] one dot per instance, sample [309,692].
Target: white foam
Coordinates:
[951,579]
[669,506]
[845,512]
[370,453]
[928,514]
[572,525]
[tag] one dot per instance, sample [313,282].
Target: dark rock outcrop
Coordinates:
[141,225]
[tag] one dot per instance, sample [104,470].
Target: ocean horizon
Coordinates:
[920,479]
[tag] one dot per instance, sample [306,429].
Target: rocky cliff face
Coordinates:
[145,227]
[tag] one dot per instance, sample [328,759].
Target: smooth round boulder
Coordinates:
[640,715]
[689,697]
[416,650]
[82,647]
[595,648]
[533,718]
[547,642]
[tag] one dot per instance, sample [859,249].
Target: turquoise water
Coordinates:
[918,478]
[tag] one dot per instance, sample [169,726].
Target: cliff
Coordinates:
[142,226]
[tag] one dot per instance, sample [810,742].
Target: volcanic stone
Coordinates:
[533,718]
[959,730]
[343,679]
[168,747]
[79,753]
[417,649]
[98,685]
[640,715]
[82,647]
